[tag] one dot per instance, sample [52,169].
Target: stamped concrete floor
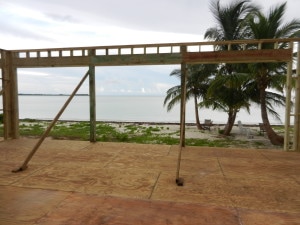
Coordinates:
[77,182]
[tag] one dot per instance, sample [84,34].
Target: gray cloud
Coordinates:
[177,16]
[62,17]
[65,23]
[20,32]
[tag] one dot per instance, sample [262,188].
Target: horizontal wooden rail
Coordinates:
[157,54]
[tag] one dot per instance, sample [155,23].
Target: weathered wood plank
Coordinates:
[138,59]
[71,61]
[10,96]
[246,56]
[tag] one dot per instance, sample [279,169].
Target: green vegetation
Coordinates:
[130,133]
[80,131]
[32,129]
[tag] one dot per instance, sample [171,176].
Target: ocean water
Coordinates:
[126,109]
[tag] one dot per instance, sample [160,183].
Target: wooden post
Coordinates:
[92,92]
[10,96]
[288,102]
[183,103]
[296,140]
[179,180]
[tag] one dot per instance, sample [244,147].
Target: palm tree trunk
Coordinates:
[274,138]
[197,114]
[230,122]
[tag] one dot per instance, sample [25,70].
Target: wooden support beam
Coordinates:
[10,96]
[288,102]
[92,91]
[241,56]
[51,125]
[296,139]
[138,59]
[71,61]
[183,104]
[155,54]
[179,180]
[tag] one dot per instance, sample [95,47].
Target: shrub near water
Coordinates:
[79,130]
[32,129]
[106,133]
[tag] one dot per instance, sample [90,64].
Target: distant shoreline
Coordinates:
[139,123]
[22,94]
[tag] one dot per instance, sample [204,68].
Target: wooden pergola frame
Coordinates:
[148,54]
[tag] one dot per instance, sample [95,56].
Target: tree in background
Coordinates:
[227,91]
[198,79]
[270,75]
[230,21]
[236,86]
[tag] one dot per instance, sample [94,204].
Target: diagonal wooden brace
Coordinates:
[47,131]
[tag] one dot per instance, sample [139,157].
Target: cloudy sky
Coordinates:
[69,23]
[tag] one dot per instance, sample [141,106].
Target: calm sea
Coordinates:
[125,109]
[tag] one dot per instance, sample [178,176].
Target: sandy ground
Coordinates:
[191,131]
[251,134]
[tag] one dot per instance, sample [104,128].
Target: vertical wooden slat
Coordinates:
[229,47]
[259,45]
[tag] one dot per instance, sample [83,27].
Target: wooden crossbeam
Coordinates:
[246,56]
[155,54]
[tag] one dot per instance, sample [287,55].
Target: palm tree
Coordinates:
[273,99]
[230,21]
[267,75]
[198,77]
[228,93]
[230,26]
